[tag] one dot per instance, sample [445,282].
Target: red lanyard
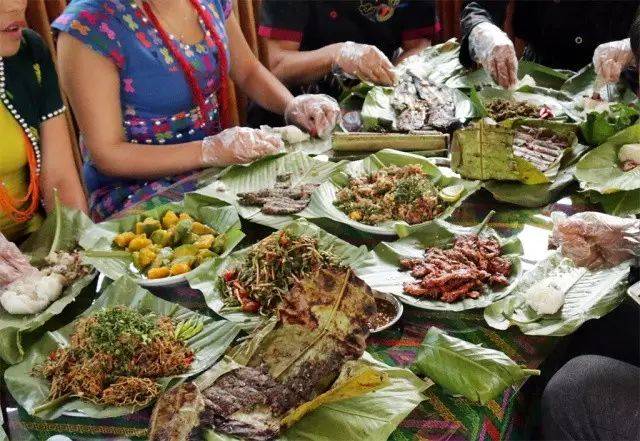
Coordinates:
[187,68]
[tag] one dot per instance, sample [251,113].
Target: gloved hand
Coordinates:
[13,264]
[610,59]
[493,49]
[596,240]
[238,145]
[318,114]
[365,62]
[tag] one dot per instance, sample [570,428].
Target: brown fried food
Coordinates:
[459,272]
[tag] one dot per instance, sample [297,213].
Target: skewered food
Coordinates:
[322,328]
[500,110]
[629,156]
[271,268]
[538,145]
[423,105]
[170,246]
[33,290]
[115,357]
[459,272]
[391,193]
[281,199]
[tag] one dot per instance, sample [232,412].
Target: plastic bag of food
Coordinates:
[596,240]
[13,264]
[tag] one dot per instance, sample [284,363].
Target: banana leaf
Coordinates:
[478,373]
[621,203]
[589,295]
[436,63]
[209,211]
[384,275]
[377,112]
[59,232]
[262,174]
[31,392]
[206,277]
[485,152]
[372,416]
[322,200]
[599,169]
[331,308]
[539,195]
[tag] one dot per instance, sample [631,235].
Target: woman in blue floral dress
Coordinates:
[147,78]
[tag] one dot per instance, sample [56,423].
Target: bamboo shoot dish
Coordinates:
[393,193]
[271,268]
[464,270]
[172,245]
[116,355]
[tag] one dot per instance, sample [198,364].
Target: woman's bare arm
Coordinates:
[92,83]
[58,166]
[294,67]
[251,76]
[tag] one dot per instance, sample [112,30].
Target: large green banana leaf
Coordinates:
[31,392]
[262,174]
[209,211]
[59,232]
[599,169]
[322,200]
[589,295]
[206,277]
[541,194]
[485,151]
[385,276]
[478,373]
[372,416]
[622,203]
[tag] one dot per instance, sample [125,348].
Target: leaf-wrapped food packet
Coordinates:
[529,151]
[480,374]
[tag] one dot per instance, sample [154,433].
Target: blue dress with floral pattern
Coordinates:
[156,100]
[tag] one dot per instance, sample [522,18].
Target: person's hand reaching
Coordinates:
[610,59]
[492,48]
[238,145]
[365,62]
[317,114]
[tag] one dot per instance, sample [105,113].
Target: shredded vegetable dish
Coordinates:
[271,268]
[391,193]
[115,357]
[172,245]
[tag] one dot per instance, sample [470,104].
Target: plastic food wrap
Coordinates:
[13,264]
[596,240]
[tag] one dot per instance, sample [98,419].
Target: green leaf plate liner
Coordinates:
[31,392]
[384,274]
[322,200]
[209,211]
[59,232]
[478,373]
[206,277]
[262,174]
[593,294]
[599,170]
[373,416]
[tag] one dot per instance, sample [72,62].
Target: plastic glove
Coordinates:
[238,145]
[318,114]
[596,240]
[365,62]
[493,49]
[610,59]
[13,264]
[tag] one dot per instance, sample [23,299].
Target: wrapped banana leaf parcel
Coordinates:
[526,162]
[307,358]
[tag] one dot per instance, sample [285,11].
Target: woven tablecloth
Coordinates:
[441,416]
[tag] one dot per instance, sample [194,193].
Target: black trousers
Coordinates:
[593,398]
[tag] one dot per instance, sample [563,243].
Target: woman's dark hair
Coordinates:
[634,36]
